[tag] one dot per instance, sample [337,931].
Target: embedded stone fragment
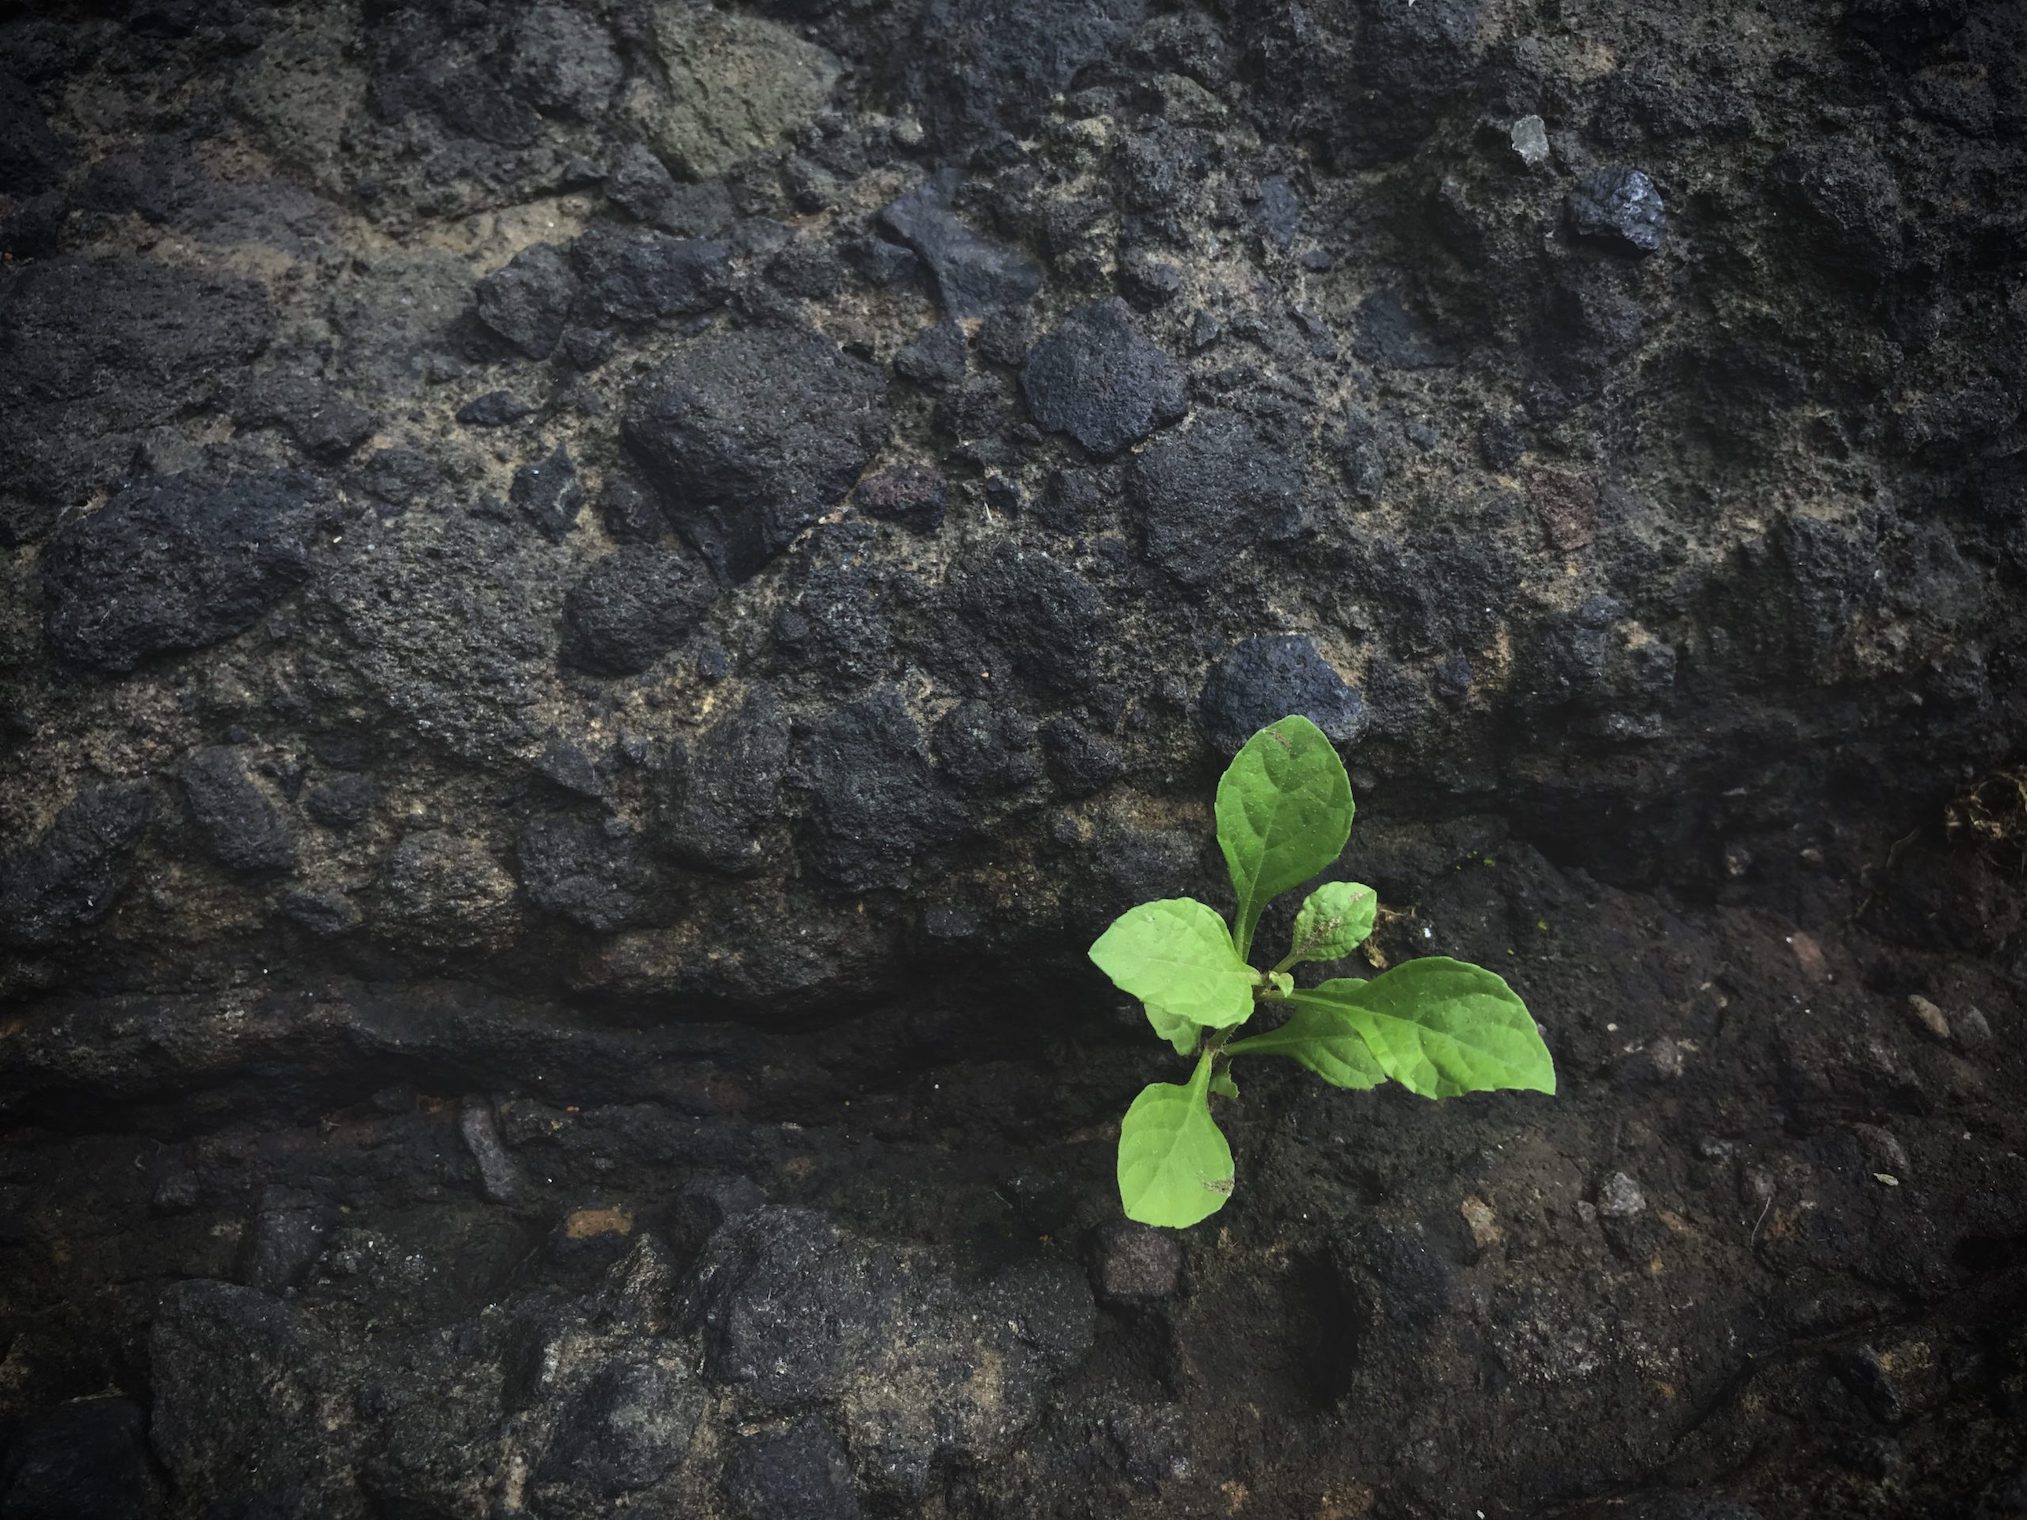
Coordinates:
[1207,495]
[731,85]
[635,275]
[633,607]
[1099,379]
[974,277]
[1529,140]
[94,353]
[753,435]
[72,875]
[550,493]
[727,788]
[176,562]
[590,871]
[528,300]
[875,807]
[1618,207]
[1260,680]
[242,828]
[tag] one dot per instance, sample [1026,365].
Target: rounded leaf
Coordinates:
[1441,1027]
[1284,813]
[1176,956]
[1335,920]
[1175,1167]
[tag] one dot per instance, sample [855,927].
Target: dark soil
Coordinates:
[599,598]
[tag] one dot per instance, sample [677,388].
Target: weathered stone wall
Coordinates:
[599,597]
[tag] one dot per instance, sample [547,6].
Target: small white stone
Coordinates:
[1619,1197]
[1529,137]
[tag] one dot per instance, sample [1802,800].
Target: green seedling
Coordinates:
[1438,1027]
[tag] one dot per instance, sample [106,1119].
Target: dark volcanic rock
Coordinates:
[793,1311]
[1850,206]
[85,1460]
[1362,455]
[753,435]
[1900,24]
[550,493]
[490,948]
[283,1242]
[71,877]
[1026,618]
[874,806]
[1407,67]
[1391,334]
[323,423]
[633,275]
[1097,378]
[443,892]
[563,60]
[451,619]
[528,301]
[633,607]
[984,749]
[978,68]
[630,510]
[1278,211]
[237,1380]
[588,870]
[627,1427]
[95,352]
[909,494]
[933,357]
[727,789]
[1620,208]
[242,828]
[839,618]
[644,188]
[32,157]
[795,1474]
[1080,760]
[1207,494]
[176,563]
[495,409]
[343,802]
[974,278]
[1257,681]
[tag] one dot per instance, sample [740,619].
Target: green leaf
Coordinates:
[1176,956]
[1284,813]
[1440,1027]
[1334,921]
[1223,1085]
[1174,1165]
[1179,1032]
[1321,1037]
[1281,982]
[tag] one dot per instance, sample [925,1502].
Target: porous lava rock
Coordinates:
[1098,378]
[176,563]
[599,601]
[752,435]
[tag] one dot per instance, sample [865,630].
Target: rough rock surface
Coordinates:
[1098,378]
[598,601]
[175,563]
[753,434]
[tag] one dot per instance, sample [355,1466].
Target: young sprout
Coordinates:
[1438,1027]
